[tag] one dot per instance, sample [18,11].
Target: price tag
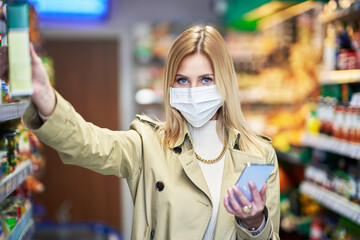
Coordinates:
[22,176]
[2,192]
[8,187]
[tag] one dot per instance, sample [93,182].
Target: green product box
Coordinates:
[20,82]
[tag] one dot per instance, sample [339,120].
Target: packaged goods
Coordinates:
[313,123]
[11,210]
[19,50]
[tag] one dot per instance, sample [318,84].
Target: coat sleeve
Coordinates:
[272,209]
[83,144]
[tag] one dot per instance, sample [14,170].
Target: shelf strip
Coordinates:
[333,145]
[292,158]
[340,76]
[12,110]
[349,14]
[14,179]
[332,201]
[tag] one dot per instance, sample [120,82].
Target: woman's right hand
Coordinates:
[252,219]
[43,96]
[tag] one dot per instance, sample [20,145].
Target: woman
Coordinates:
[181,172]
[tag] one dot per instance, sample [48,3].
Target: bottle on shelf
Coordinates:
[339,117]
[346,46]
[313,124]
[316,229]
[329,54]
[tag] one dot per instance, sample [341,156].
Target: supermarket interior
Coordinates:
[297,66]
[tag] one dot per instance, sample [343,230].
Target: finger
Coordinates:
[234,202]
[35,58]
[227,204]
[243,199]
[255,192]
[263,193]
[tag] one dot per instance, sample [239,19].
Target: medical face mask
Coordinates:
[197,105]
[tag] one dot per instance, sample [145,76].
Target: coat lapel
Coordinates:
[189,162]
[193,171]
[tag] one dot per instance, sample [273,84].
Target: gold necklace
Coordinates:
[212,160]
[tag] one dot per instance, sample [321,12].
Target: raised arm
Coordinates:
[43,96]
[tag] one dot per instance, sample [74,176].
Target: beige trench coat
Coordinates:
[170,195]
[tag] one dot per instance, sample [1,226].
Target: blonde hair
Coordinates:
[208,41]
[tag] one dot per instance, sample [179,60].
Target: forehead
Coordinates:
[195,63]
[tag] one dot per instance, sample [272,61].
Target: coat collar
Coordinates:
[184,137]
[190,164]
[234,138]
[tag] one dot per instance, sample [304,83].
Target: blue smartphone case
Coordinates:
[258,173]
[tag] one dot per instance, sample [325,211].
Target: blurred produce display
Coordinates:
[279,64]
[299,80]
[151,44]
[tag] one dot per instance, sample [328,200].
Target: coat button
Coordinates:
[159,186]
[177,149]
[152,235]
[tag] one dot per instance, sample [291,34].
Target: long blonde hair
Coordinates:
[208,41]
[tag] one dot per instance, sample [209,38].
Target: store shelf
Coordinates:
[24,229]
[12,110]
[332,201]
[340,76]
[261,96]
[333,145]
[352,13]
[281,16]
[29,231]
[289,157]
[14,179]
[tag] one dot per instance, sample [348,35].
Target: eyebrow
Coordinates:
[203,75]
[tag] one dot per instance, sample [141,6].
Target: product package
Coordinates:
[20,84]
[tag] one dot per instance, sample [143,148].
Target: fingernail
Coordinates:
[251,184]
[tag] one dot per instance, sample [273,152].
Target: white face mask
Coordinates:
[197,105]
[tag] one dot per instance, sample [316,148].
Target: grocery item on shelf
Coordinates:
[30,21]
[313,123]
[4,88]
[20,82]
[21,160]
[294,218]
[337,118]
[286,127]
[20,157]
[11,210]
[336,173]
[341,45]
[14,211]
[324,108]
[5,98]
[273,65]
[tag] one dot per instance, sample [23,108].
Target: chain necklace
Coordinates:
[218,157]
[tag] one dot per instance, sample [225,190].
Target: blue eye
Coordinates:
[182,80]
[206,80]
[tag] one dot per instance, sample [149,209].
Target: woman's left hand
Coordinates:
[250,213]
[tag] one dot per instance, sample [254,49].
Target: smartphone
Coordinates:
[258,173]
